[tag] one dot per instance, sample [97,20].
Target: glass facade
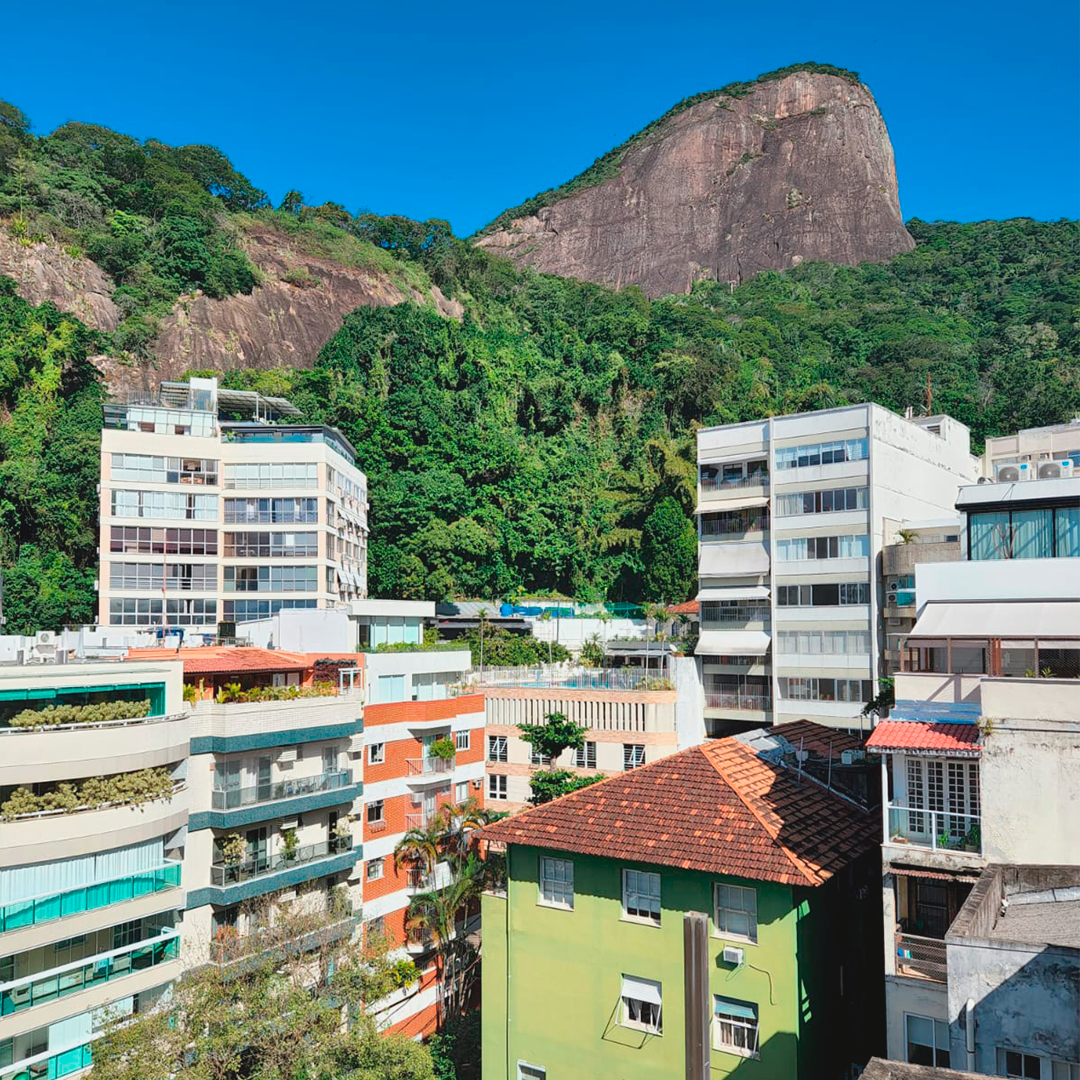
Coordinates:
[271,511]
[829,453]
[795,549]
[246,610]
[273,545]
[164,504]
[148,611]
[183,577]
[823,502]
[823,595]
[272,475]
[154,469]
[271,578]
[1039,533]
[144,540]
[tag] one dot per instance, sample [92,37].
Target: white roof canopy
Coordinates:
[732,560]
[741,503]
[732,643]
[733,592]
[1012,619]
[641,989]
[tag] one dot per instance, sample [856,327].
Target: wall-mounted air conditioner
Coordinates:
[1008,474]
[732,955]
[1026,470]
[1049,470]
[1068,468]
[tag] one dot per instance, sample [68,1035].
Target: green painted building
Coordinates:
[709,915]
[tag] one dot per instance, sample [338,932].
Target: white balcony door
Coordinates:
[949,787]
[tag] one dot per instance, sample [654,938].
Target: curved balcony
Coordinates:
[74,751]
[53,835]
[236,807]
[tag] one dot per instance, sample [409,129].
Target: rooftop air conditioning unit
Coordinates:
[1026,470]
[45,637]
[1068,468]
[733,955]
[1009,474]
[1050,470]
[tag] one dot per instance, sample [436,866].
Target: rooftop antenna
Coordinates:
[929,397]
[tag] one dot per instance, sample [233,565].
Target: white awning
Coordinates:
[741,503]
[641,989]
[732,643]
[1012,619]
[732,560]
[734,592]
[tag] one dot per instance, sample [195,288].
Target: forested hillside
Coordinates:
[527,445]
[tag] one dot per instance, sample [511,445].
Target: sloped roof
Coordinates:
[818,739]
[228,658]
[691,607]
[892,735]
[717,808]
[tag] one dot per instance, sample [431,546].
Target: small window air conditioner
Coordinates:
[1009,474]
[1050,470]
[732,955]
[1026,470]
[288,756]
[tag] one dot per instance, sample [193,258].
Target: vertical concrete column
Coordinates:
[696,994]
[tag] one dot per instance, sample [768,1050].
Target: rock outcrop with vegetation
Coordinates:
[793,167]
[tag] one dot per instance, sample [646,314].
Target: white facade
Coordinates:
[206,520]
[1041,453]
[793,514]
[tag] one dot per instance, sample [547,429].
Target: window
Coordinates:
[823,595]
[927,1041]
[1024,534]
[536,758]
[823,642]
[374,869]
[164,504]
[272,475]
[461,791]
[633,756]
[173,577]
[461,740]
[641,1004]
[496,748]
[830,453]
[641,896]
[143,540]
[245,610]
[275,545]
[147,611]
[814,689]
[496,786]
[271,511]
[376,753]
[735,1026]
[151,469]
[823,502]
[734,523]
[389,688]
[736,912]
[531,1072]
[585,758]
[271,578]
[375,812]
[855,545]
[557,883]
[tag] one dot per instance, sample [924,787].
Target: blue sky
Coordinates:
[459,111]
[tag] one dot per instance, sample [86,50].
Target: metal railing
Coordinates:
[732,618]
[418,880]
[233,873]
[233,798]
[549,676]
[59,905]
[922,957]
[92,725]
[730,483]
[734,700]
[427,765]
[939,830]
[732,530]
[83,974]
[419,820]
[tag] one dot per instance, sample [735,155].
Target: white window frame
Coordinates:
[376,753]
[461,791]
[750,1028]
[629,1005]
[536,758]
[934,1023]
[377,866]
[633,755]
[638,884]
[498,749]
[525,1071]
[556,883]
[585,758]
[497,787]
[461,739]
[744,896]
[372,817]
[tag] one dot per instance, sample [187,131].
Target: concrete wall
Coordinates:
[298,630]
[690,706]
[998,579]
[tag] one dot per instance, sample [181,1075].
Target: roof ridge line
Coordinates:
[814,879]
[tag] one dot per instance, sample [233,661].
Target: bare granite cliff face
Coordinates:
[801,168]
[280,324]
[47,272]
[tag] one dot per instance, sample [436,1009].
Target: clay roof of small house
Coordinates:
[691,607]
[718,808]
[229,659]
[818,739]
[916,735]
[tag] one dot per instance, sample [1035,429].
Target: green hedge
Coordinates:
[98,713]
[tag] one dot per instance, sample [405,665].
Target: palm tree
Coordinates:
[422,846]
[460,821]
[906,536]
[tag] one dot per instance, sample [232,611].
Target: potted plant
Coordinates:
[944,840]
[973,839]
[443,748]
[289,843]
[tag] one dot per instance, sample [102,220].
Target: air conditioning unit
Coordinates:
[847,757]
[288,756]
[732,955]
[477,784]
[1008,474]
[45,637]
[1068,468]
[1026,470]
[1050,470]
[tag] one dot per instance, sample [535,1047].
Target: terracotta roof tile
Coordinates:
[718,808]
[818,739]
[691,607]
[225,659]
[916,735]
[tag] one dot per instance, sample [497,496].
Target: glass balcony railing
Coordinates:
[731,483]
[736,700]
[48,1066]
[101,894]
[83,974]
[938,830]
[234,798]
[233,873]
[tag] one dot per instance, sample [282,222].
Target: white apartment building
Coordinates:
[1045,453]
[215,509]
[981,775]
[793,514]
[92,886]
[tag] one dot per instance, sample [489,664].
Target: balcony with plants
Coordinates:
[233,807]
[935,830]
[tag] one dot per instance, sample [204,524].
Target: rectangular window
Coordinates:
[375,811]
[271,578]
[536,758]
[246,610]
[927,1041]
[272,475]
[585,758]
[557,883]
[144,540]
[641,1004]
[461,740]
[164,504]
[461,791]
[271,511]
[641,896]
[736,912]
[823,642]
[152,469]
[496,748]
[175,577]
[804,688]
[797,457]
[823,502]
[270,545]
[633,755]
[376,753]
[735,1026]
[147,611]
[531,1072]
[374,869]
[825,594]
[855,545]
[496,787]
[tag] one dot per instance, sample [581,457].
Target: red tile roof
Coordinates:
[226,659]
[691,607]
[718,808]
[892,735]
[806,735]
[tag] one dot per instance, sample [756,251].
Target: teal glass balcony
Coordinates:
[101,894]
[81,975]
[50,1066]
[253,795]
[234,873]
